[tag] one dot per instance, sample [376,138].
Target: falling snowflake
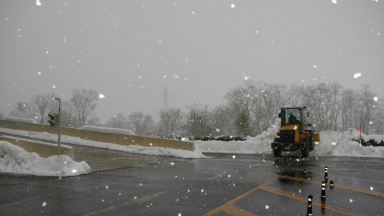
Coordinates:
[371,188]
[357,75]
[106,187]
[202,190]
[245,78]
[53,86]
[44,204]
[101,96]
[38,3]
[314,66]
[334,1]
[74,171]
[375,98]
[350,200]
[47,52]
[232,5]
[172,163]
[39,73]
[266,206]
[234,156]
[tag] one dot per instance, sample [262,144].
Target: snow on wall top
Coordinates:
[20,120]
[107,130]
[34,141]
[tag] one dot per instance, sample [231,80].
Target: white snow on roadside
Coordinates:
[107,130]
[332,143]
[14,159]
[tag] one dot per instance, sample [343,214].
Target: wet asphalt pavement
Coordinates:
[220,185]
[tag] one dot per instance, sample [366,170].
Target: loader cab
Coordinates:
[294,116]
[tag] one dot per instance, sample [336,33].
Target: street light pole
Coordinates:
[59,128]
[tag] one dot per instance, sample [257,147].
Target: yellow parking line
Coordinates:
[374,193]
[236,211]
[141,199]
[227,205]
[302,199]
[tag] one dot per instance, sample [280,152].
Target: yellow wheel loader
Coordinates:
[294,133]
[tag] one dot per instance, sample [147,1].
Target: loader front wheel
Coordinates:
[305,149]
[277,153]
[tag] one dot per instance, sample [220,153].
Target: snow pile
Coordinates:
[260,144]
[107,130]
[332,143]
[20,120]
[14,159]
[343,144]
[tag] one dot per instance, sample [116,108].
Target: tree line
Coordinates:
[249,110]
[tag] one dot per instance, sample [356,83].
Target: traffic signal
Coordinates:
[53,119]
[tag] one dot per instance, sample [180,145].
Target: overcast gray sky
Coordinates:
[129,50]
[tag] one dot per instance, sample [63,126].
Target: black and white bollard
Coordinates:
[323,197]
[331,185]
[326,174]
[309,208]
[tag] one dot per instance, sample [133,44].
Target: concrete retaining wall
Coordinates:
[44,150]
[102,137]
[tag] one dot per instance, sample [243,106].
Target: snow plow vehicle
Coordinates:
[295,133]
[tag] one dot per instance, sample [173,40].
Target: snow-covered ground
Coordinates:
[332,144]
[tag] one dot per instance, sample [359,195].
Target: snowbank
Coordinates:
[20,120]
[107,130]
[332,144]
[342,144]
[260,144]
[14,159]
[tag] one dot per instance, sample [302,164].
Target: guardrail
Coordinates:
[119,139]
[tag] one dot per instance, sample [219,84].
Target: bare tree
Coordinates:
[170,123]
[142,124]
[42,105]
[23,110]
[2,116]
[84,105]
[199,121]
[117,121]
